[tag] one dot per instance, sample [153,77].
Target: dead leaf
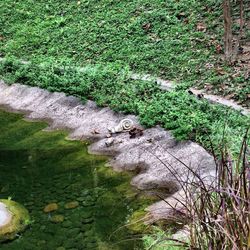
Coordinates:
[201,27]
[146,26]
[220,71]
[218,49]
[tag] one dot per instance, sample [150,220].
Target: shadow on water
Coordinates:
[39,168]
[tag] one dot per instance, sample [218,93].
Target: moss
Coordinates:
[136,222]
[20,220]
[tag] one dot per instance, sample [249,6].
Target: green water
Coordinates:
[38,168]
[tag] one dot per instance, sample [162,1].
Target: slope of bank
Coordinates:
[143,154]
[186,116]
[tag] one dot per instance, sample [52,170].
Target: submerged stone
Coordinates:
[57,218]
[14,218]
[71,205]
[67,224]
[50,207]
[60,248]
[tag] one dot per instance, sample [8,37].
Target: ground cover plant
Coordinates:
[185,115]
[177,40]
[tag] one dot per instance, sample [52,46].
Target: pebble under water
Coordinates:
[74,200]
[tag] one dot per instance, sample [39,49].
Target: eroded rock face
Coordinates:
[14,218]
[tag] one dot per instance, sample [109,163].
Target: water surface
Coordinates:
[38,168]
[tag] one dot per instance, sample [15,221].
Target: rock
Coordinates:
[73,232]
[109,142]
[91,245]
[123,126]
[50,208]
[67,224]
[71,205]
[14,218]
[57,218]
[87,215]
[87,221]
[79,237]
[43,227]
[80,199]
[89,234]
[86,227]
[60,248]
[41,242]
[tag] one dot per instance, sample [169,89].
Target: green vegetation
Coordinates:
[112,39]
[217,213]
[90,48]
[186,116]
[159,240]
[173,39]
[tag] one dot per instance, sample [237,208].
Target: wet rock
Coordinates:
[89,234]
[42,228]
[87,221]
[73,231]
[88,203]
[86,215]
[71,205]
[86,227]
[41,242]
[80,199]
[69,243]
[58,218]
[91,245]
[60,248]
[67,224]
[51,229]
[85,192]
[79,237]
[50,208]
[14,219]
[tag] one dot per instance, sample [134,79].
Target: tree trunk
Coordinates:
[228,36]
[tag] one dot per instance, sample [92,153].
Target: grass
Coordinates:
[158,241]
[157,37]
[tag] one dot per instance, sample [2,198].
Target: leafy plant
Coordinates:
[184,115]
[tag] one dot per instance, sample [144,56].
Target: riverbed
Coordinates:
[94,204]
